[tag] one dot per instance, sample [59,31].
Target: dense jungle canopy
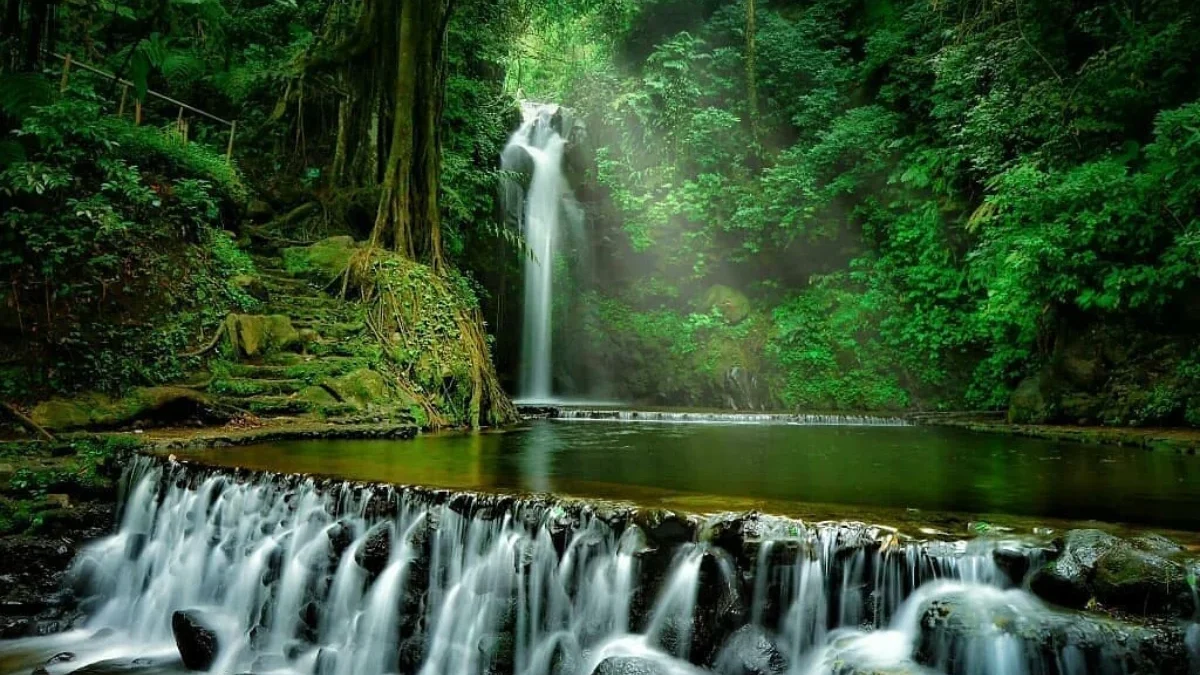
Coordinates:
[790,204]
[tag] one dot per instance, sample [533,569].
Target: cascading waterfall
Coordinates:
[296,575]
[543,212]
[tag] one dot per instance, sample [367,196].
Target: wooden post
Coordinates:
[124,93]
[187,125]
[137,113]
[66,76]
[229,150]
[179,125]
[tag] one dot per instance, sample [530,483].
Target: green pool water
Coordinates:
[939,476]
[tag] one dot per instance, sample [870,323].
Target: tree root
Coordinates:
[216,339]
[27,422]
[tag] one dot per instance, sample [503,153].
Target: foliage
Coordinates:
[937,191]
[110,247]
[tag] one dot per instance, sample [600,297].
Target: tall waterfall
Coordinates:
[294,575]
[542,211]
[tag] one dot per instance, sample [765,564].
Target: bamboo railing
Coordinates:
[181,122]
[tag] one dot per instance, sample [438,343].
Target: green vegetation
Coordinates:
[802,204]
[931,202]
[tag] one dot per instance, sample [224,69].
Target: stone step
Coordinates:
[247,387]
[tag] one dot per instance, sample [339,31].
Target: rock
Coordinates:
[254,335]
[123,665]
[1067,579]
[664,528]
[631,665]
[751,650]
[197,642]
[1013,561]
[363,387]
[1156,543]
[733,304]
[1030,402]
[326,663]
[58,500]
[99,411]
[325,260]
[376,551]
[317,396]
[259,211]
[1142,582]
[61,657]
[251,285]
[963,632]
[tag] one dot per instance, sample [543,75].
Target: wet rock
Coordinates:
[61,657]
[375,552]
[326,663]
[966,632]
[664,528]
[630,665]
[497,650]
[1013,562]
[121,666]
[751,650]
[1066,580]
[1142,582]
[135,543]
[1134,576]
[197,642]
[412,653]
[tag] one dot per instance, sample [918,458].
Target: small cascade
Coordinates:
[546,215]
[693,417]
[323,577]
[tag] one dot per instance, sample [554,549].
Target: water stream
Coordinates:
[541,209]
[327,577]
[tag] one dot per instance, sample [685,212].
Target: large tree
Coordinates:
[387,57]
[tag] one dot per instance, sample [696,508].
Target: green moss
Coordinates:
[95,410]
[325,260]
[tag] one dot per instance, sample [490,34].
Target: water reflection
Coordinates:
[927,469]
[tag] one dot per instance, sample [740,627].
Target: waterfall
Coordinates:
[541,211]
[324,577]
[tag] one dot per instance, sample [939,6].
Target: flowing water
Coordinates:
[328,576]
[542,211]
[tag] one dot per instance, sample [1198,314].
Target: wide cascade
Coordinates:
[546,215]
[263,573]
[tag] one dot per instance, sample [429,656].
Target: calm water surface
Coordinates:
[880,473]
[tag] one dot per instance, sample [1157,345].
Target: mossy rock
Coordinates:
[363,387]
[255,335]
[733,304]
[325,260]
[99,411]
[1031,402]
[318,396]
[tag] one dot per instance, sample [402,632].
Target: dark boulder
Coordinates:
[962,634]
[376,551]
[1066,580]
[1134,576]
[1143,583]
[196,640]
[751,650]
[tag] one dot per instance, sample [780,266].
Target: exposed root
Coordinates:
[27,422]
[392,309]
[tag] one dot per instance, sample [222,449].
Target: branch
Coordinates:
[26,422]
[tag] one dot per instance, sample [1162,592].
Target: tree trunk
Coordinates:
[751,71]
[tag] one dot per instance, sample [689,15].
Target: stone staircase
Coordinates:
[321,369]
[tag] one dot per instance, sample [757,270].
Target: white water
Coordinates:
[537,147]
[483,585]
